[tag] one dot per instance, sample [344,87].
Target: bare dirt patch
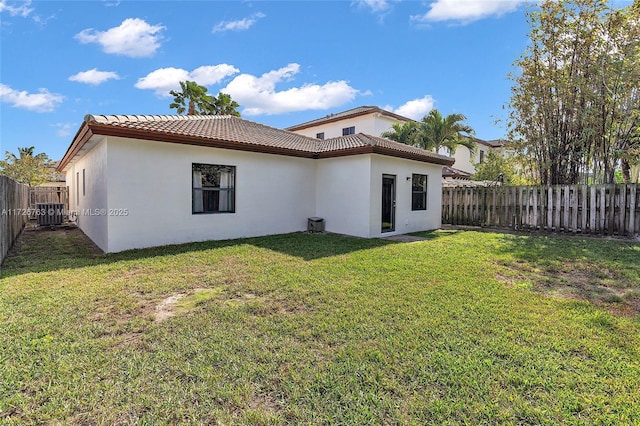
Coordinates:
[264,403]
[166,308]
[577,284]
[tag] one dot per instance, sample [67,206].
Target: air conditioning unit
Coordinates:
[50,214]
[315,224]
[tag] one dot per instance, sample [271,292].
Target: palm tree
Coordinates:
[402,132]
[223,105]
[436,132]
[192,98]
[25,152]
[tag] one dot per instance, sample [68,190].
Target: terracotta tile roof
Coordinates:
[359,140]
[214,127]
[230,132]
[494,143]
[455,173]
[355,112]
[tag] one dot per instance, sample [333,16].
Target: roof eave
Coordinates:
[333,119]
[371,149]
[83,134]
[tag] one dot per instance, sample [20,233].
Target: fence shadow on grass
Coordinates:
[50,250]
[602,271]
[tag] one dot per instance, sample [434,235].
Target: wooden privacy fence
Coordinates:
[48,195]
[14,201]
[589,209]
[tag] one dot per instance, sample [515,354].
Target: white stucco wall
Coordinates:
[371,124]
[466,162]
[146,194]
[349,195]
[406,220]
[87,206]
[343,193]
[153,181]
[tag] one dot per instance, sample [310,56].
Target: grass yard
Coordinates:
[464,328]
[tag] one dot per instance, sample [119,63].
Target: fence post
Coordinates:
[622,221]
[632,210]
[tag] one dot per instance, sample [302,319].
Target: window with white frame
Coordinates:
[213,188]
[418,192]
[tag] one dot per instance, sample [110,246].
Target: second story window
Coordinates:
[349,131]
[320,135]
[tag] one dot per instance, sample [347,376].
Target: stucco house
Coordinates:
[143,181]
[465,162]
[374,120]
[370,120]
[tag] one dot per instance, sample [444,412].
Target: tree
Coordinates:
[26,168]
[436,131]
[494,166]
[402,132]
[192,98]
[575,100]
[223,105]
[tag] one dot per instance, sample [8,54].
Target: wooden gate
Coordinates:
[48,194]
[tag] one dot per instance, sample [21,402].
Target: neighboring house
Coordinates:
[374,121]
[370,120]
[466,163]
[142,181]
[56,178]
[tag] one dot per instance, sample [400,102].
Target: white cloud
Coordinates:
[416,108]
[212,74]
[43,101]
[466,11]
[258,95]
[375,5]
[19,9]
[64,129]
[134,38]
[239,25]
[163,80]
[94,77]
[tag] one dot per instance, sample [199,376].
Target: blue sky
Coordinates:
[284,62]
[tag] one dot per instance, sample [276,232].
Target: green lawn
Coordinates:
[466,327]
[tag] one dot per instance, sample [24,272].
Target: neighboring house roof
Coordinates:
[494,143]
[450,172]
[229,132]
[54,174]
[355,112]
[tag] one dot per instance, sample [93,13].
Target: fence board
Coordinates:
[632,210]
[596,209]
[14,201]
[583,210]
